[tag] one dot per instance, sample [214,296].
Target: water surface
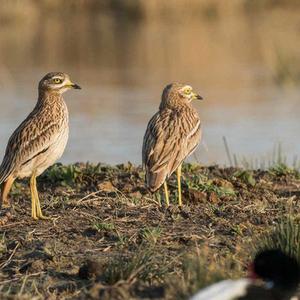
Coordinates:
[246,66]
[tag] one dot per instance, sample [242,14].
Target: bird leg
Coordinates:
[5,190]
[166,194]
[179,185]
[33,205]
[36,211]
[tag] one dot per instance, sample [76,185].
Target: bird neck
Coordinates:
[49,97]
[174,105]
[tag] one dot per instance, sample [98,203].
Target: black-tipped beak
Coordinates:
[76,86]
[198,97]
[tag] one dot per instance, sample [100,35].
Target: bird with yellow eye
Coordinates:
[39,140]
[172,134]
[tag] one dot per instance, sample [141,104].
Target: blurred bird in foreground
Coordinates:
[39,140]
[172,134]
[274,275]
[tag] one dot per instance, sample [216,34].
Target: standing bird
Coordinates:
[172,134]
[40,139]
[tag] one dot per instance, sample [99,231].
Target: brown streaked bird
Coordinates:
[39,140]
[172,134]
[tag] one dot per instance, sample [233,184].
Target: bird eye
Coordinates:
[57,80]
[187,90]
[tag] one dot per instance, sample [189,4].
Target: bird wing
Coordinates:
[224,290]
[33,137]
[170,137]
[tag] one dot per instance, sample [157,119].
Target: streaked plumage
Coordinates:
[172,134]
[40,139]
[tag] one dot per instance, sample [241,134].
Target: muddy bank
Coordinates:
[111,239]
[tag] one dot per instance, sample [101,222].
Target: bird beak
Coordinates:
[75,86]
[196,97]
[251,272]
[71,85]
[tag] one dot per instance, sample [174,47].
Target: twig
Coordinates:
[89,195]
[152,200]
[16,279]
[10,257]
[11,224]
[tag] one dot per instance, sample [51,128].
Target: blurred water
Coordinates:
[246,67]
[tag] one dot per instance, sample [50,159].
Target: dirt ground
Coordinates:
[109,238]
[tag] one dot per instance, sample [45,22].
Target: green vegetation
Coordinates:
[283,170]
[284,236]
[141,266]
[151,234]
[246,176]
[109,237]
[203,184]
[198,272]
[104,226]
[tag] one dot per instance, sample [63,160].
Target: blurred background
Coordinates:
[242,56]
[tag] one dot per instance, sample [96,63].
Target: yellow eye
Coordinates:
[187,90]
[57,80]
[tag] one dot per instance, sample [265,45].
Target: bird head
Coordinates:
[276,267]
[57,81]
[175,94]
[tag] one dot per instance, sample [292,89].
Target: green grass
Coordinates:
[282,169]
[151,234]
[71,175]
[104,226]
[197,272]
[246,176]
[203,184]
[284,236]
[140,266]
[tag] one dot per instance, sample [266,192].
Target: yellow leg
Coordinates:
[5,190]
[166,194]
[36,200]
[179,185]
[33,200]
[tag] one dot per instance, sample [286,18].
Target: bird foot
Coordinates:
[41,217]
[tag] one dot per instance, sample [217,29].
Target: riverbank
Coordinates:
[109,236]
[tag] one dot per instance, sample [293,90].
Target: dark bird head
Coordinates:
[177,94]
[57,81]
[276,267]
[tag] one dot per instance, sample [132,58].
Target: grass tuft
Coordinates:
[197,272]
[284,236]
[246,176]
[104,226]
[139,266]
[203,184]
[151,234]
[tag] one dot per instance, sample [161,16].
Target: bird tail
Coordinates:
[5,171]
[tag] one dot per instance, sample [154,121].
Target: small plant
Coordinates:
[128,269]
[203,184]
[284,236]
[197,272]
[282,169]
[246,176]
[151,234]
[122,239]
[104,226]
[65,175]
